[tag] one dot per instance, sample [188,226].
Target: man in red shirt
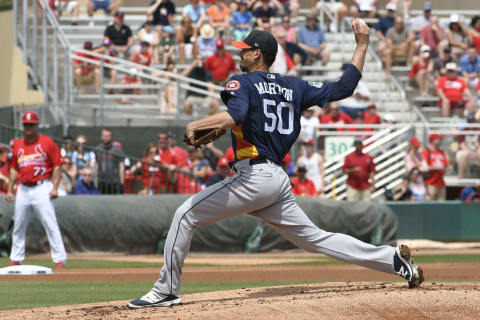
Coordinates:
[432,34]
[36,162]
[360,169]
[168,159]
[180,154]
[371,116]
[337,117]
[144,57]
[437,162]
[86,72]
[301,186]
[454,92]
[220,64]
[4,171]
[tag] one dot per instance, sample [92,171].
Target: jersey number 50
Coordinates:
[277,121]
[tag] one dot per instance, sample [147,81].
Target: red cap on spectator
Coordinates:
[220,43]
[117,144]
[434,136]
[222,162]
[309,141]
[414,142]
[30,117]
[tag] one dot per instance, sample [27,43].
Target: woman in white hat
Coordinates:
[205,45]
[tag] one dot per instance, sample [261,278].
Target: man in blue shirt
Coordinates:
[385,23]
[241,22]
[263,113]
[470,67]
[311,38]
[85,184]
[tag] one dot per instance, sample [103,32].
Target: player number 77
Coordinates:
[39,171]
[277,118]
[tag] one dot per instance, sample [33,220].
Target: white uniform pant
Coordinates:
[36,199]
[264,191]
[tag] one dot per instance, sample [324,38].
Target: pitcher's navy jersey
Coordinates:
[267,107]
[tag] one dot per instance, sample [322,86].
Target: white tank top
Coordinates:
[313,170]
[149,36]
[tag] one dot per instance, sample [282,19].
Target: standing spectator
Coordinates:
[417,185]
[120,34]
[360,169]
[418,23]
[457,36]
[264,14]
[108,6]
[436,160]
[150,173]
[212,154]
[180,154]
[364,8]
[85,185]
[230,155]
[67,178]
[163,12]
[205,45]
[399,44]
[414,158]
[355,105]
[168,160]
[441,62]
[86,72]
[71,6]
[474,33]
[110,165]
[186,34]
[336,117]
[4,170]
[219,16]
[432,34]
[223,171]
[311,38]
[370,116]
[453,92]
[313,162]
[67,148]
[242,21]
[200,166]
[220,64]
[301,185]
[309,124]
[81,157]
[196,13]
[421,70]
[470,67]
[197,71]
[402,192]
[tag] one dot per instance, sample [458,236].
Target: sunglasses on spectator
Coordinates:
[30,125]
[87,175]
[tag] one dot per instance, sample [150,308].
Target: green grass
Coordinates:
[29,294]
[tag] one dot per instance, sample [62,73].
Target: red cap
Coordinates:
[414,142]
[30,117]
[222,162]
[309,141]
[435,136]
[220,43]
[117,144]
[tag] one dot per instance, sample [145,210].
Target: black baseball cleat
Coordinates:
[406,267]
[154,299]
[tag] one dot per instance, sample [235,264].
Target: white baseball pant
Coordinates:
[37,199]
[262,190]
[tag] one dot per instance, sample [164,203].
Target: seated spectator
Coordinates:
[197,71]
[399,44]
[313,162]
[144,57]
[166,48]
[308,126]
[474,33]
[146,33]
[355,105]
[417,185]
[223,171]
[108,6]
[132,79]
[241,21]
[186,34]
[264,14]
[336,117]
[441,62]
[414,158]
[107,50]
[421,71]
[370,116]
[219,16]
[120,34]
[58,6]
[436,160]
[289,29]
[389,118]
[220,64]
[301,185]
[470,193]
[85,185]
[432,35]
[402,192]
[290,7]
[150,173]
[163,12]
[311,38]
[383,25]
[169,94]
[196,13]
[453,92]
[419,22]
[200,166]
[86,72]
[364,8]
[283,63]
[205,45]
[81,157]
[457,36]
[68,176]
[470,67]
[338,6]
[469,153]
[360,169]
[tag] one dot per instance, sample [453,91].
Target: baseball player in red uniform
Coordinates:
[36,164]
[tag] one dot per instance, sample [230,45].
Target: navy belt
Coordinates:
[257,161]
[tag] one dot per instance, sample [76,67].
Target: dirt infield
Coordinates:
[321,301]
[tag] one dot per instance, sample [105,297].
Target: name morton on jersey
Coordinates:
[273,88]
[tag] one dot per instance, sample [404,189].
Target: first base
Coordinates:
[25,269]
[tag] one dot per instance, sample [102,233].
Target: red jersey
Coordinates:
[435,158]
[4,170]
[342,118]
[145,56]
[478,86]
[286,161]
[304,188]
[150,175]
[220,67]
[417,67]
[35,161]
[180,155]
[86,66]
[453,89]
[359,180]
[371,119]
[230,155]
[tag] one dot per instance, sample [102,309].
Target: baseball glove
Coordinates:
[203,137]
